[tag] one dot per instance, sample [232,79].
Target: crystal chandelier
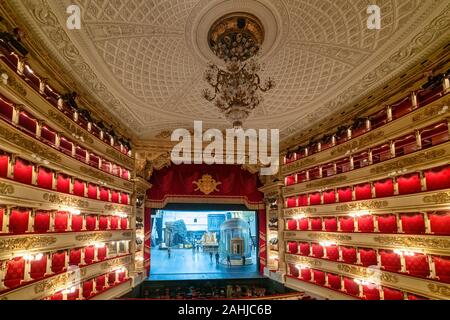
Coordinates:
[236,39]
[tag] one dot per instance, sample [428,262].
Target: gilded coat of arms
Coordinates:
[206,184]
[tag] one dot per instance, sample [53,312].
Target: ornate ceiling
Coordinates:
[143,60]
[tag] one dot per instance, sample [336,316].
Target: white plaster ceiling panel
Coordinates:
[147,57]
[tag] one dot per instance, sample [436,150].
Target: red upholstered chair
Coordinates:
[329,196]
[103,223]
[440,222]
[61,221]
[123,223]
[38,268]
[58,261]
[57,296]
[91,222]
[347,224]
[15,270]
[75,257]
[390,261]
[78,188]
[413,223]
[292,224]
[363,191]
[4,159]
[293,271]
[305,274]
[351,287]
[92,191]
[74,295]
[409,184]
[319,277]
[77,222]
[442,267]
[114,222]
[391,294]
[101,253]
[438,178]
[303,200]
[384,188]
[387,223]
[365,223]
[330,224]
[316,224]
[291,202]
[332,252]
[293,247]
[124,198]
[304,248]
[349,254]
[23,171]
[89,254]
[111,278]
[334,281]
[371,292]
[88,287]
[303,224]
[41,221]
[121,276]
[18,221]
[345,194]
[104,194]
[368,257]
[114,196]
[417,265]
[45,178]
[63,183]
[317,250]
[100,283]
[314,198]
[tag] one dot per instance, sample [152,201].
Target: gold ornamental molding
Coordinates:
[26,143]
[69,126]
[439,289]
[26,243]
[363,206]
[115,263]
[429,112]
[117,155]
[293,211]
[368,273]
[414,242]
[207,184]
[128,185]
[65,200]
[98,236]
[287,168]
[127,234]
[440,198]
[325,236]
[59,281]
[13,83]
[326,182]
[95,174]
[6,188]
[305,261]
[358,143]
[117,208]
[409,161]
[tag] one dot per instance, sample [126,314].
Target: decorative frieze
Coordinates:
[413,242]
[439,198]
[359,143]
[65,200]
[287,168]
[118,156]
[429,113]
[326,182]
[368,273]
[322,236]
[26,243]
[358,206]
[110,264]
[439,289]
[96,174]
[69,126]
[13,83]
[118,208]
[6,188]
[60,281]
[97,236]
[301,210]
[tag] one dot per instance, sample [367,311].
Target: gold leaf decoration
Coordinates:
[13,83]
[326,182]
[6,188]
[362,206]
[70,126]
[65,200]
[431,112]
[115,262]
[127,234]
[305,260]
[117,208]
[94,236]
[295,211]
[297,164]
[439,289]
[357,143]
[53,283]
[26,243]
[206,184]
[96,174]
[118,156]
[325,236]
[441,197]
[368,273]
[414,242]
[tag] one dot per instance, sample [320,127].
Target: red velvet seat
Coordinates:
[18,221]
[417,265]
[392,294]
[100,283]
[45,178]
[332,252]
[330,224]
[442,267]
[409,184]
[371,292]
[78,188]
[292,224]
[314,198]
[363,191]
[334,281]
[15,269]
[91,222]
[4,159]
[345,194]
[438,178]
[42,221]
[368,257]
[390,261]
[58,262]
[103,223]
[440,222]
[306,274]
[303,200]
[319,277]
[384,188]
[77,223]
[347,224]
[23,171]
[291,202]
[413,223]
[304,248]
[89,254]
[316,224]
[88,288]
[292,247]
[61,221]
[317,250]
[349,254]
[101,253]
[387,223]
[329,196]
[75,257]
[63,183]
[38,268]
[303,224]
[351,287]
[365,223]
[123,223]
[114,222]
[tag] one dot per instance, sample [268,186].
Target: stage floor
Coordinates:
[185,264]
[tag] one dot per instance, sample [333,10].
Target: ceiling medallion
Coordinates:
[236,39]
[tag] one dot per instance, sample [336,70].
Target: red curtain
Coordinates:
[417,265]
[290,180]
[100,283]
[363,191]
[349,254]
[89,254]
[75,257]
[45,178]
[302,200]
[368,257]
[104,194]
[293,271]
[4,159]
[123,223]
[306,274]
[77,222]
[91,221]
[292,247]
[442,267]
[63,183]
[23,171]
[304,248]
[332,252]
[440,222]
[314,198]
[15,270]
[103,223]
[390,261]
[347,224]
[438,178]
[61,221]
[114,196]
[409,184]
[384,188]
[351,287]
[303,224]
[345,194]
[41,221]
[58,261]
[18,221]
[391,294]
[38,268]
[317,250]
[147,239]
[292,224]
[387,223]
[262,240]
[114,223]
[413,223]
[111,278]
[319,277]
[78,188]
[329,197]
[73,295]
[334,281]
[291,202]
[365,223]
[88,287]
[2,212]
[92,191]
[371,292]
[316,224]
[124,198]
[101,253]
